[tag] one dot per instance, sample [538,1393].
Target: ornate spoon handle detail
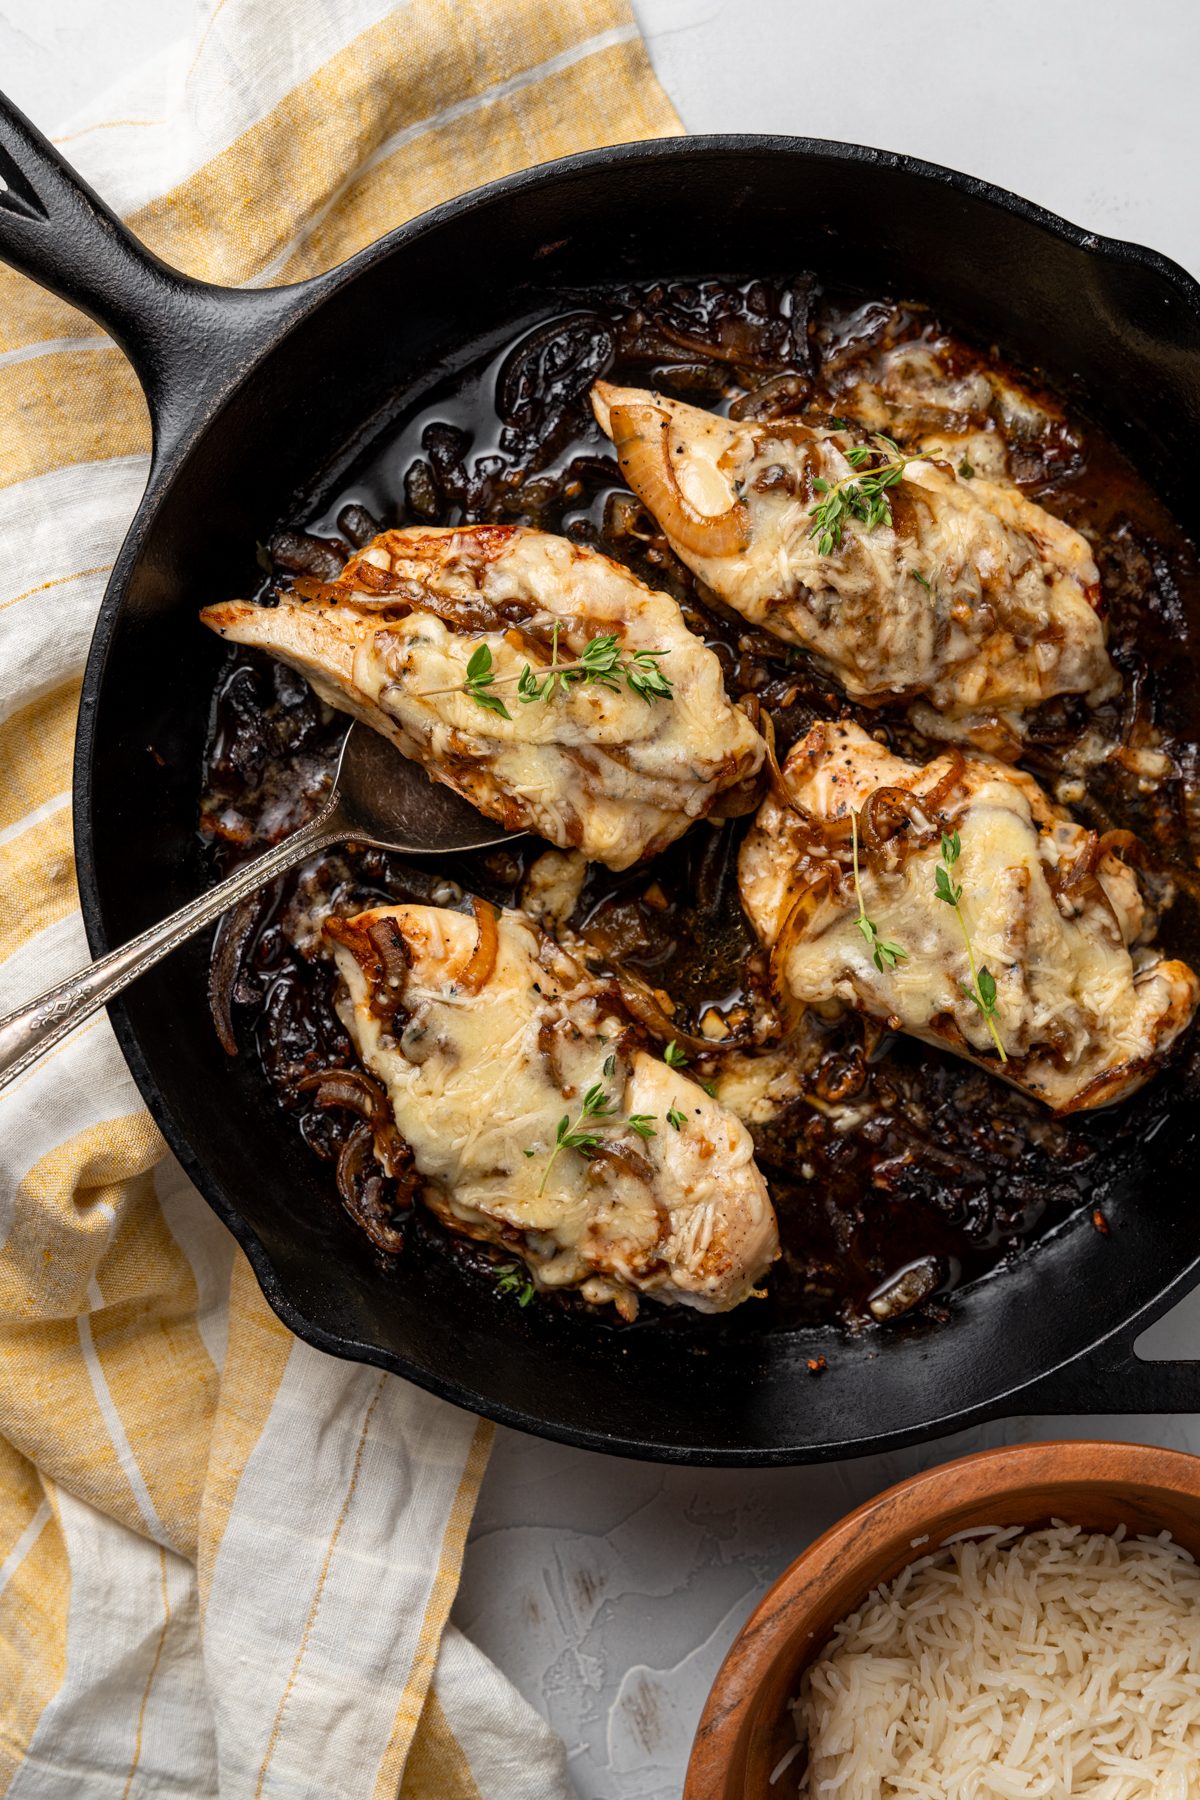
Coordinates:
[37,1026]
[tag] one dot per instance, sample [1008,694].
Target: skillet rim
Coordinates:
[166,463]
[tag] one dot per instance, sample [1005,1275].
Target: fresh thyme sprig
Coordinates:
[883,952]
[601,662]
[861,495]
[981,989]
[597,1113]
[676,1119]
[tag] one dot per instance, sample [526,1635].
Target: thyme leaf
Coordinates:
[981,989]
[676,1119]
[512,1280]
[597,1114]
[480,680]
[673,1056]
[861,495]
[883,952]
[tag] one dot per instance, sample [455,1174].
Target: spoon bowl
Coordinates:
[387,801]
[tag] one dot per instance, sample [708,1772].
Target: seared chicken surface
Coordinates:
[489,1040]
[593,765]
[970,599]
[1084,1008]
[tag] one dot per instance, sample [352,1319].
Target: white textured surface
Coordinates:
[609,1591]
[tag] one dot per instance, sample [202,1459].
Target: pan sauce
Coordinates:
[898,1172]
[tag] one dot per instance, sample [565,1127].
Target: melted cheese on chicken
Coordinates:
[1085,1010]
[921,388]
[974,598]
[596,767]
[485,1036]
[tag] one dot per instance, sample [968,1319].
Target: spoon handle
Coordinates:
[35,1027]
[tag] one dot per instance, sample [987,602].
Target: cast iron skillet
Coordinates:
[259,400]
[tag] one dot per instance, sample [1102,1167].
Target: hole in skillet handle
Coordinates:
[16,195]
[1119,1375]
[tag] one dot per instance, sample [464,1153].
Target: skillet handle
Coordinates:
[1112,1378]
[187,340]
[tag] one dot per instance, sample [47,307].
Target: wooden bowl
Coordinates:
[746,1728]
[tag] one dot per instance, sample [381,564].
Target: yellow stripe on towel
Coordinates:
[170,1456]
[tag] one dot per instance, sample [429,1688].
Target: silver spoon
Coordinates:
[378,798]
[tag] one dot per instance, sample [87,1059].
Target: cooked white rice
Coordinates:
[1013,1665]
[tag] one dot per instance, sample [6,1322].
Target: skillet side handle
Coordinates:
[188,341]
[1112,1378]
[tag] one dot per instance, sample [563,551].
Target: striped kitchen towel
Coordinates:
[226,1560]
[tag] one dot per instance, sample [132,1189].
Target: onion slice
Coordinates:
[884,814]
[811,898]
[642,437]
[942,790]
[364,1192]
[766,727]
[478,969]
[349,1088]
[235,934]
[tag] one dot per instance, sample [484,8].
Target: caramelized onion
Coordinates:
[1087,889]
[842,1076]
[908,1288]
[777,395]
[388,942]
[300,553]
[357,525]
[356,1153]
[477,971]
[623,1156]
[362,1187]
[812,896]
[779,786]
[640,1003]
[1086,862]
[642,438]
[309,588]
[465,614]
[363,573]
[395,604]
[942,790]
[349,1088]
[880,823]
[1125,844]
[235,933]
[380,950]
[356,1092]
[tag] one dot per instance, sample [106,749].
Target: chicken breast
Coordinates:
[966,413]
[1083,1007]
[966,596]
[425,636]
[536,1124]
